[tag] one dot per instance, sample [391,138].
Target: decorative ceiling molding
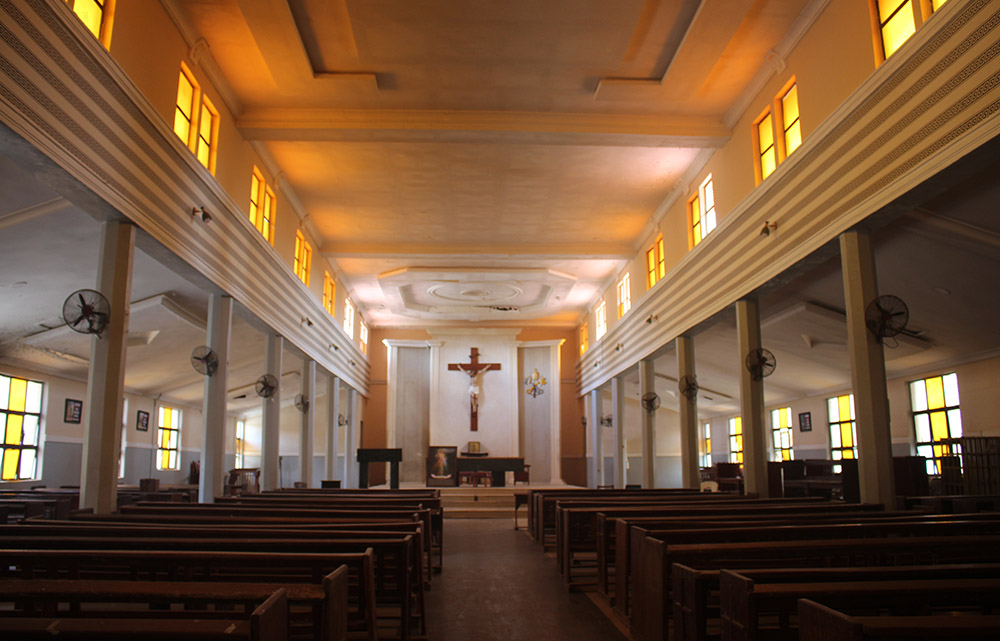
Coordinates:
[576,251]
[475,294]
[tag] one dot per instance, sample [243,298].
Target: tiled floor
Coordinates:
[498,586]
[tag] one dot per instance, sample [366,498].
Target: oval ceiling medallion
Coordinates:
[474,292]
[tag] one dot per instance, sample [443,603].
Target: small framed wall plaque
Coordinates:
[805,422]
[74,411]
[142,421]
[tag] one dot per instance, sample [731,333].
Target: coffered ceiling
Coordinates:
[474,136]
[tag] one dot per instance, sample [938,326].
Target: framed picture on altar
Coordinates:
[475,447]
[442,465]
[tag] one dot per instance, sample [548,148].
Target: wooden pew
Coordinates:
[315,611]
[208,566]
[541,504]
[820,623]
[397,582]
[696,592]
[746,598]
[396,553]
[268,622]
[578,530]
[321,499]
[652,601]
[355,513]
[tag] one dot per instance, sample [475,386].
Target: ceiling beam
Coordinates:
[379,125]
[479,253]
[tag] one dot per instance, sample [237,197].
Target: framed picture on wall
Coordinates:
[73,412]
[442,466]
[805,422]
[142,421]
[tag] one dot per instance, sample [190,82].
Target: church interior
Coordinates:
[624,243]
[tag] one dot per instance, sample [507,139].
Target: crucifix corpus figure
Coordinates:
[473,368]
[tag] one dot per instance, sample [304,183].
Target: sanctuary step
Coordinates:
[479,502]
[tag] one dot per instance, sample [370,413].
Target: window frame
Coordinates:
[601,320]
[775,114]
[584,339]
[837,451]
[920,10]
[9,422]
[107,11]
[656,267]
[706,216]
[735,426]
[624,289]
[349,311]
[163,433]
[241,442]
[781,424]
[302,260]
[705,445]
[190,140]
[933,450]
[212,142]
[329,292]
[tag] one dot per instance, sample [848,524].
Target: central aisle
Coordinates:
[498,586]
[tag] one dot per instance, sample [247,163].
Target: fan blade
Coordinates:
[77,321]
[83,303]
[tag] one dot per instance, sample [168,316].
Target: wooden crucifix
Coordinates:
[473,368]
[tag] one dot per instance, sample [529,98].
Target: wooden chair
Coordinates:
[243,481]
[523,477]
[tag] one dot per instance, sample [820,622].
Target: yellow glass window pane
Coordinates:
[10,461]
[185,96]
[848,453]
[18,394]
[790,107]
[661,265]
[205,123]
[203,153]
[695,211]
[844,406]
[897,29]
[793,138]
[939,426]
[846,435]
[765,133]
[935,393]
[182,126]
[937,4]
[12,435]
[768,163]
[91,13]
[165,460]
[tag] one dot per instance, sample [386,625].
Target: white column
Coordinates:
[434,381]
[618,417]
[594,436]
[308,422]
[514,400]
[351,448]
[106,376]
[332,423]
[555,367]
[392,374]
[690,474]
[751,400]
[270,440]
[647,385]
[871,401]
[213,450]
